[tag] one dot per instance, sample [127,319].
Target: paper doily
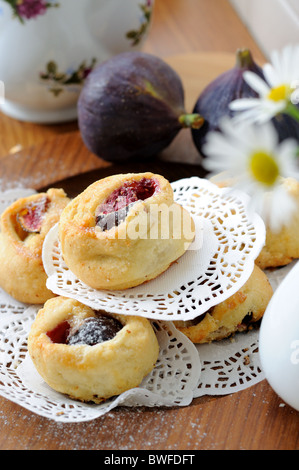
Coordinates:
[230,365]
[233,364]
[200,279]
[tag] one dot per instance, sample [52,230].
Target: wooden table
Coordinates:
[199,39]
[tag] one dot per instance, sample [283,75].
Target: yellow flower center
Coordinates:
[280,93]
[264,168]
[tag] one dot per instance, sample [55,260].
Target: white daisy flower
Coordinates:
[278,93]
[254,161]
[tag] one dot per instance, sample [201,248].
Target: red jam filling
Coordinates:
[60,333]
[131,191]
[30,217]
[120,201]
[93,330]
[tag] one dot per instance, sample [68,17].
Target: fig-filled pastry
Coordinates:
[24,225]
[124,230]
[90,355]
[239,313]
[282,247]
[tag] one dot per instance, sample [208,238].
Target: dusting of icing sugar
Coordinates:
[21,183]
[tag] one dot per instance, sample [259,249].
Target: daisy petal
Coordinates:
[272,77]
[254,115]
[245,103]
[266,137]
[275,58]
[256,83]
[286,154]
[295,94]
[279,209]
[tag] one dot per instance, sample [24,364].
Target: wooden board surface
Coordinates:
[251,419]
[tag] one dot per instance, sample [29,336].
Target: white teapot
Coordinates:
[48,47]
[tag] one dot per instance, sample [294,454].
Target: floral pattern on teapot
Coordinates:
[28,9]
[146,12]
[57,81]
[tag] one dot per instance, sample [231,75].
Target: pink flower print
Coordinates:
[31,8]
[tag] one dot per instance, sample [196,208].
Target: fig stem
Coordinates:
[195,121]
[244,58]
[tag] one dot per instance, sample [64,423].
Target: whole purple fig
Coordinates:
[213,103]
[132,106]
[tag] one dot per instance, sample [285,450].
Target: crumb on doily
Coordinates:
[246,360]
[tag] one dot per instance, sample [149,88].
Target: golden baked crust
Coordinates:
[136,250]
[237,313]
[91,373]
[283,247]
[22,273]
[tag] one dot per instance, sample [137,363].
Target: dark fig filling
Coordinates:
[116,207]
[246,322]
[91,331]
[31,216]
[243,326]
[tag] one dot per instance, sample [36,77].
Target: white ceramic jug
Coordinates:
[48,47]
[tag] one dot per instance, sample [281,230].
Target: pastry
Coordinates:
[283,247]
[24,225]
[236,314]
[124,230]
[90,355]
[280,248]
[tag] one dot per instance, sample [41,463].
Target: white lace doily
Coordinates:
[200,279]
[233,364]
[230,365]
